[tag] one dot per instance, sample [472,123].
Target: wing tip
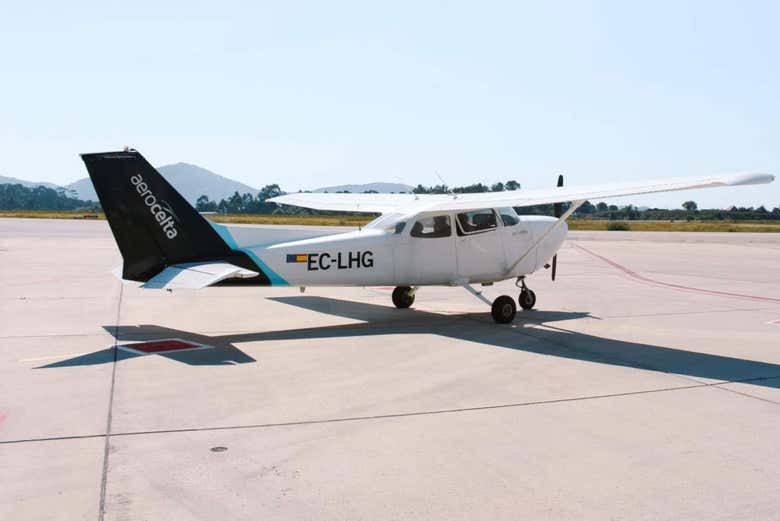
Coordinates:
[748,178]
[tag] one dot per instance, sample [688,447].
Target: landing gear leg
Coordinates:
[527,298]
[403,297]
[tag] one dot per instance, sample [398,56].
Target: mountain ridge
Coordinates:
[6,180]
[192,181]
[381,187]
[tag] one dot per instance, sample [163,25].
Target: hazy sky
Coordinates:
[308,94]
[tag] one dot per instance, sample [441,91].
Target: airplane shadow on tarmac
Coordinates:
[472,327]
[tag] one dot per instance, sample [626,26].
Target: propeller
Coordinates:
[557,210]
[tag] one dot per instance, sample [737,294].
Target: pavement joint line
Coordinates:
[56,335]
[36,299]
[52,357]
[703,385]
[747,395]
[681,313]
[106,447]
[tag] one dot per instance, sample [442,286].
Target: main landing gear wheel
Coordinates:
[503,309]
[527,299]
[403,297]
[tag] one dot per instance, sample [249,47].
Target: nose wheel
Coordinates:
[527,298]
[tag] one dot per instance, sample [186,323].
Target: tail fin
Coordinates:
[154,226]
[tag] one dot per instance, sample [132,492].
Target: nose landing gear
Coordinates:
[527,298]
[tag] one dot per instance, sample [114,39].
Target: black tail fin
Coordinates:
[154,226]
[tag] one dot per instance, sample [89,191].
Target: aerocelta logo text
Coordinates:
[160,213]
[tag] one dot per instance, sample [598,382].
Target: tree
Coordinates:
[586,208]
[204,205]
[631,212]
[498,187]
[222,207]
[471,189]
[602,207]
[18,197]
[690,206]
[269,191]
[235,204]
[512,185]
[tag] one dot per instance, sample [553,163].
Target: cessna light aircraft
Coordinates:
[418,240]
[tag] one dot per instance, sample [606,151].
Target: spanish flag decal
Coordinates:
[298,257]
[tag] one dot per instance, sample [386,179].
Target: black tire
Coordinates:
[503,309]
[403,297]
[527,299]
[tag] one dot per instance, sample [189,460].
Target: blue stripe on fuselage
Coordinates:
[224,233]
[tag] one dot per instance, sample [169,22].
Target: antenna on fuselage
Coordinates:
[447,186]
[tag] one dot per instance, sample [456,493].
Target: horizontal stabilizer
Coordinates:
[196,275]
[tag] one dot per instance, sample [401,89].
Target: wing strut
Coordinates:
[560,221]
[468,287]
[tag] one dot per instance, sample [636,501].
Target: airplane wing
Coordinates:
[386,203]
[370,203]
[196,275]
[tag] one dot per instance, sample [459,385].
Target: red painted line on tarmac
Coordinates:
[3,416]
[679,287]
[776,322]
[168,345]
[162,345]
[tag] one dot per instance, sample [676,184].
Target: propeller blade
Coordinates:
[558,207]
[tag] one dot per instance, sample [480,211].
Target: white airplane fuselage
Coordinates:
[378,256]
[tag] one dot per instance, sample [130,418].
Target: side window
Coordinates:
[508,216]
[477,221]
[432,227]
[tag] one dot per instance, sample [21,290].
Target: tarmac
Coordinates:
[645,386]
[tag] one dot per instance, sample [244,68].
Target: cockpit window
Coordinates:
[391,222]
[432,227]
[508,216]
[477,221]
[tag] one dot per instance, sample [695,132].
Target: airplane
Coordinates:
[417,240]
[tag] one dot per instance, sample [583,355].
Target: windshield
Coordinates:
[386,221]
